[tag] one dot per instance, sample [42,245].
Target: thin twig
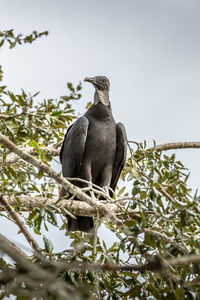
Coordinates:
[20,224]
[95,254]
[167,240]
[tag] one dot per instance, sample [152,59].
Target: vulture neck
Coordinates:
[102,97]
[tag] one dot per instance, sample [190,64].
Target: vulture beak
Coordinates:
[90,79]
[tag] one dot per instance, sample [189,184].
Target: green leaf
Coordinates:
[180,294]
[33,144]
[12,172]
[35,188]
[48,244]
[121,191]
[150,240]
[70,87]
[91,276]
[32,214]
[113,248]
[40,174]
[37,231]
[52,218]
[135,190]
[42,212]
[104,245]
[22,298]
[56,113]
[88,105]
[54,207]
[68,213]
[132,292]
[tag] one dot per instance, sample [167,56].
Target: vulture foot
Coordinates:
[106,189]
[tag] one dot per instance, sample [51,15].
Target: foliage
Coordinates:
[13,40]
[154,184]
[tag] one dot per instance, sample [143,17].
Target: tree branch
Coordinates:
[155,264]
[75,207]
[33,275]
[20,224]
[167,240]
[13,246]
[13,157]
[80,208]
[178,145]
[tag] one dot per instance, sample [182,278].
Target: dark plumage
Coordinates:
[94,148]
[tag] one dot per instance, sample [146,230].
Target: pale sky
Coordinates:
[149,49]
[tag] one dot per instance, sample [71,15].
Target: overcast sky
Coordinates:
[149,49]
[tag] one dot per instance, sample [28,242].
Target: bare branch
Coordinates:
[179,145]
[13,246]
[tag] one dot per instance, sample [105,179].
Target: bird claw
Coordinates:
[106,189]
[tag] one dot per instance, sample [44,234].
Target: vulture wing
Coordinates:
[71,154]
[71,157]
[120,155]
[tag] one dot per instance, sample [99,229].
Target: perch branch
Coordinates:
[75,207]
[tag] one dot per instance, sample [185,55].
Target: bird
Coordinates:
[94,149]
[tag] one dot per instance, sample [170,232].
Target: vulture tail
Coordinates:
[85,224]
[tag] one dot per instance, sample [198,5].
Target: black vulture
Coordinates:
[94,148]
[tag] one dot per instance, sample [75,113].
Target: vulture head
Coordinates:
[102,86]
